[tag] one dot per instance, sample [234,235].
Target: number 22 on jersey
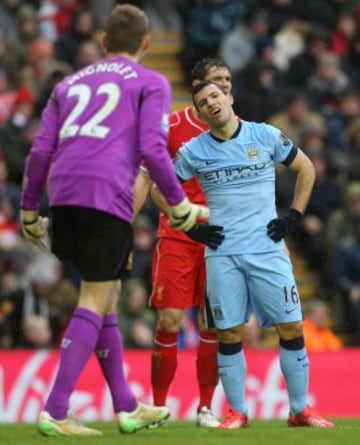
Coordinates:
[93,126]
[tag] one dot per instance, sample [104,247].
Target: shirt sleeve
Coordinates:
[40,156]
[184,165]
[283,146]
[153,137]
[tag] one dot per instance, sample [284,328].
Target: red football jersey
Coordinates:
[183,127]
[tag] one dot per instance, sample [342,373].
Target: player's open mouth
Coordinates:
[215,111]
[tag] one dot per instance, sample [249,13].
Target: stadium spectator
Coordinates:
[40,63]
[257,91]
[52,79]
[326,197]
[92,156]
[352,62]
[7,96]
[302,66]
[205,25]
[138,320]
[250,270]
[34,298]
[346,278]
[339,225]
[55,17]
[26,31]
[288,42]
[295,115]
[327,83]
[344,32]
[88,52]
[350,156]
[8,189]
[317,328]
[100,9]
[279,12]
[338,120]
[144,242]
[36,332]
[8,15]
[82,28]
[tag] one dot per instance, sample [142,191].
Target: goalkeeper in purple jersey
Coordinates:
[96,127]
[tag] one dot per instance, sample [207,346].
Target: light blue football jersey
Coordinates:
[238,179]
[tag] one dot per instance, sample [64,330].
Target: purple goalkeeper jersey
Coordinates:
[98,124]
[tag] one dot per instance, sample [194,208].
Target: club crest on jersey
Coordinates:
[285,140]
[253,154]
[217,312]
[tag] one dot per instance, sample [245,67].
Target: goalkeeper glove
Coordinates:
[278,228]
[34,229]
[183,216]
[204,233]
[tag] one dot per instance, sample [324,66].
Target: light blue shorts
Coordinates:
[262,283]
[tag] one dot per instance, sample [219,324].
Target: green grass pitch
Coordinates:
[186,433]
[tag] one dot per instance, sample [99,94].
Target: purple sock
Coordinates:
[109,351]
[78,343]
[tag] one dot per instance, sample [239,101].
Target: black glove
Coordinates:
[278,228]
[204,233]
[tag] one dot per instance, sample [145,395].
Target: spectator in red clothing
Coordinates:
[82,28]
[55,17]
[345,29]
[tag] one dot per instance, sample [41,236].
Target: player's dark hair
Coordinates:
[201,68]
[125,27]
[199,86]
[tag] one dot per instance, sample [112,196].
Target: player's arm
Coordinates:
[204,233]
[305,179]
[159,200]
[153,138]
[301,164]
[34,227]
[142,187]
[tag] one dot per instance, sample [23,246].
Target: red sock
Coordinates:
[163,365]
[207,368]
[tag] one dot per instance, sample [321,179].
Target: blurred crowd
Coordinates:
[295,65]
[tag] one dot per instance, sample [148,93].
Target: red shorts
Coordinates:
[178,275]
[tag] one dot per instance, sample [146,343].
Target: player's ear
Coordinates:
[145,45]
[230,98]
[103,42]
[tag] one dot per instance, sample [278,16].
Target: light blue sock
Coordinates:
[232,372]
[294,365]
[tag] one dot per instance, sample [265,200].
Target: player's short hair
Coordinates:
[201,68]
[125,27]
[199,86]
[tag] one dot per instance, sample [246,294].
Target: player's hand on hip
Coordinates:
[183,216]
[205,233]
[278,228]
[35,229]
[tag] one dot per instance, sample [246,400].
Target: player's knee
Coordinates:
[232,335]
[169,321]
[288,331]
